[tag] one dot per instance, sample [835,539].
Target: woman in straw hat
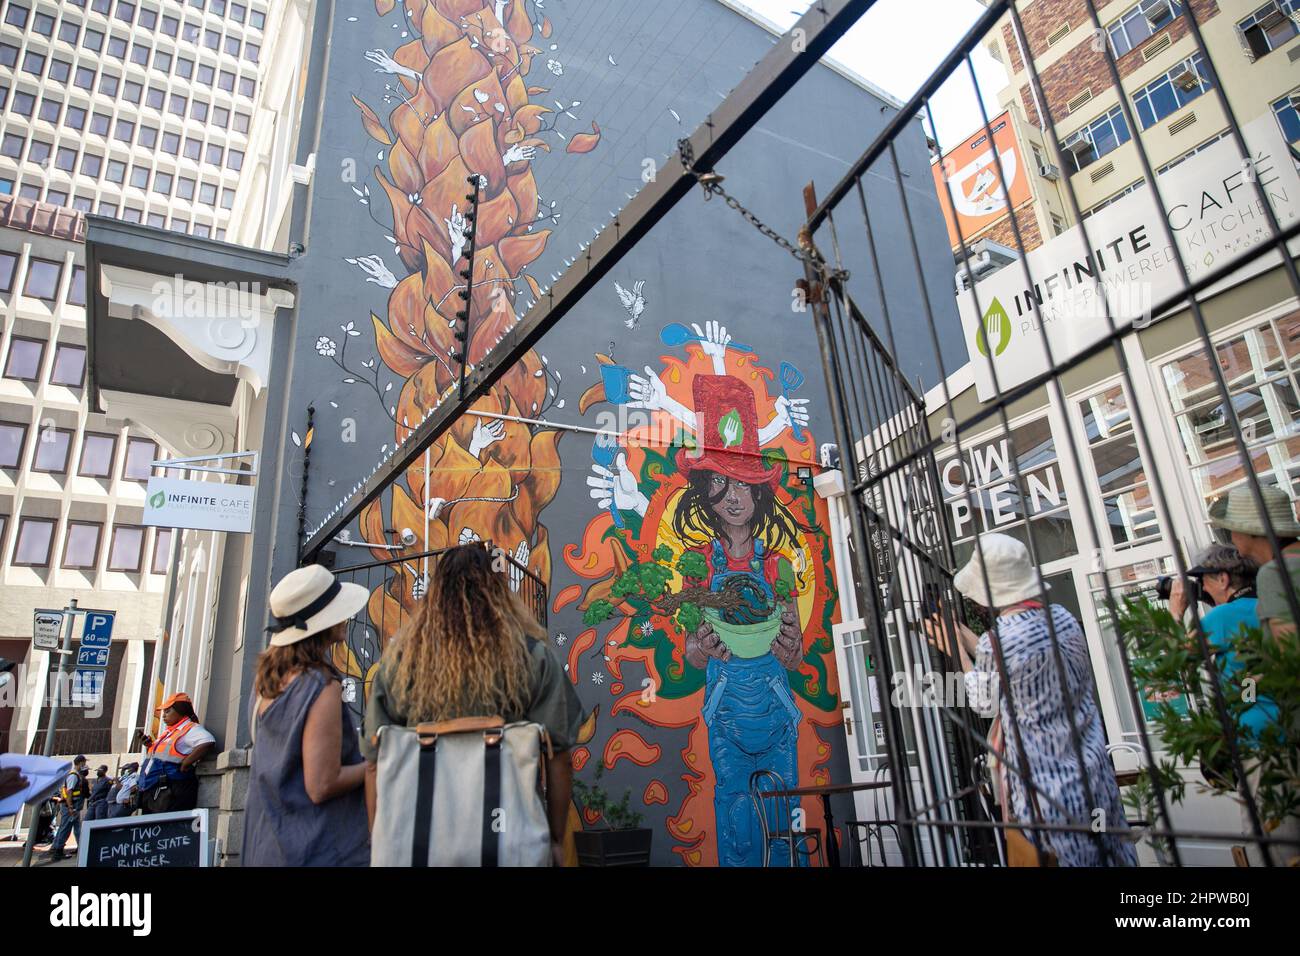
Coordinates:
[305,801]
[1000,576]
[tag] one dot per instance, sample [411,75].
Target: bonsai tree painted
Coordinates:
[1167,664]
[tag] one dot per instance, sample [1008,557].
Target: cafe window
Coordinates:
[127,548]
[985,470]
[97,456]
[69,366]
[13,436]
[1118,468]
[1260,367]
[52,447]
[81,546]
[35,537]
[25,359]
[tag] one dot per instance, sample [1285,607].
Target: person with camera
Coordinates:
[1237,514]
[1224,578]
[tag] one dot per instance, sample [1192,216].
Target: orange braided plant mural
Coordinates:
[708,530]
[462,108]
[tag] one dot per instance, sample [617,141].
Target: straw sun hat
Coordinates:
[308,601]
[1011,576]
[1236,511]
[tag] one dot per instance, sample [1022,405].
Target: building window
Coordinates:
[43,279]
[1287,112]
[1118,467]
[82,204]
[8,265]
[207,74]
[116,172]
[246,86]
[170,25]
[140,456]
[117,47]
[50,110]
[127,548]
[23,104]
[17,16]
[35,537]
[77,287]
[1171,92]
[185,188]
[13,436]
[208,194]
[227,199]
[93,40]
[69,32]
[1268,28]
[139,54]
[69,366]
[156,220]
[97,456]
[84,79]
[33,63]
[125,12]
[1101,136]
[242,121]
[52,447]
[184,67]
[132,91]
[171,143]
[8,55]
[99,123]
[162,550]
[148,137]
[75,118]
[1260,367]
[193,148]
[199,111]
[1139,22]
[125,131]
[237,12]
[140,176]
[43,24]
[214,154]
[12,145]
[65,159]
[234,159]
[220,116]
[162,183]
[81,546]
[162,62]
[131,214]
[176,105]
[60,70]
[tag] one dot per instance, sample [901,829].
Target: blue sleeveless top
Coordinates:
[282,827]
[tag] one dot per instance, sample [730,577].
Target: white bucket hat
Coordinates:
[1011,574]
[1236,511]
[308,601]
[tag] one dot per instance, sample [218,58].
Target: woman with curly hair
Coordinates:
[473,649]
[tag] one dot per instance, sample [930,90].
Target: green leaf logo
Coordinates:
[158,500]
[731,429]
[996,328]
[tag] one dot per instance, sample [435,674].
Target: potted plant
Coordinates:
[1168,669]
[623,841]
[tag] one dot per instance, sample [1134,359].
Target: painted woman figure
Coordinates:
[751,639]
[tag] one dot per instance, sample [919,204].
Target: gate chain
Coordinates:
[806,253]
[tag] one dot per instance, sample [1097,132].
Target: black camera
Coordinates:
[1194,591]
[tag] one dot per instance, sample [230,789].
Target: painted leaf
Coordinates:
[372,123]
[585,142]
[532,284]
[384,7]
[590,397]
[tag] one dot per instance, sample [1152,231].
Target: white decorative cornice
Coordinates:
[224,326]
[185,429]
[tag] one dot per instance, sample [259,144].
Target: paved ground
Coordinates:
[11,854]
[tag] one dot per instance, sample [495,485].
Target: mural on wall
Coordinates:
[459,106]
[702,564]
[706,555]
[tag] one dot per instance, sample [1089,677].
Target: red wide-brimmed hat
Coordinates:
[727,429]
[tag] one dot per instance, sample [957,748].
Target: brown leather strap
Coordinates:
[459,725]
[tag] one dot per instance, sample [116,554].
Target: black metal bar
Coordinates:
[306,471]
[465,333]
[771,78]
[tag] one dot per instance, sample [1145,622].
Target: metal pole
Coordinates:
[70,613]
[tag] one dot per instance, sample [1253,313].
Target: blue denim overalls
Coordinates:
[753,725]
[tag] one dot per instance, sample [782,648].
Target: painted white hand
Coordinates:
[485,433]
[518,153]
[386,64]
[457,226]
[791,411]
[714,339]
[649,392]
[376,271]
[617,486]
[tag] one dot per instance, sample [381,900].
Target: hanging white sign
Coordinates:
[1215,215]
[202,505]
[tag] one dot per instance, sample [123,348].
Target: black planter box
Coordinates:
[613,847]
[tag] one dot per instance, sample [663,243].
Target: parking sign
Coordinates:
[92,656]
[99,629]
[47,629]
[87,686]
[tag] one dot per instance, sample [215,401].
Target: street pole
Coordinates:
[65,652]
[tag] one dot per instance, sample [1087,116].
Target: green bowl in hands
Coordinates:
[745,640]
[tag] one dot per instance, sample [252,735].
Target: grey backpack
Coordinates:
[465,792]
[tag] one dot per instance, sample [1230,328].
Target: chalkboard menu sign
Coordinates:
[156,839]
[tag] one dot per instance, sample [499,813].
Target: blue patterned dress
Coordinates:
[1044,721]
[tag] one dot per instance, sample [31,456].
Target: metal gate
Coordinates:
[396,585]
[946,805]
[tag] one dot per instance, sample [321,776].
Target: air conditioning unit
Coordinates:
[1049,171]
[1158,13]
[1185,77]
[1079,145]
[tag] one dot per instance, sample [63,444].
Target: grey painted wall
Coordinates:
[647,74]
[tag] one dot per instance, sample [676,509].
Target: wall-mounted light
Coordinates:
[804,474]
